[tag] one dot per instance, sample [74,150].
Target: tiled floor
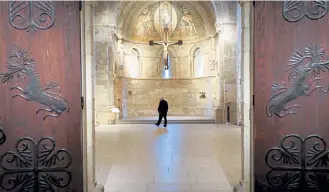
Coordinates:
[173,118]
[181,158]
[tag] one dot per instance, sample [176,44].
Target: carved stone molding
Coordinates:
[213,64]
[219,28]
[111,27]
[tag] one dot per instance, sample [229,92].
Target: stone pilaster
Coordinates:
[227,68]
[112,53]
[239,65]
[120,59]
[106,56]
[220,110]
[88,91]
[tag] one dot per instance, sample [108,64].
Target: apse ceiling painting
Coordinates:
[177,18]
[165,16]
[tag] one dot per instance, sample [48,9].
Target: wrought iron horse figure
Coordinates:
[304,70]
[21,67]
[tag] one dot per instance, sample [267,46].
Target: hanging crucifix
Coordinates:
[165,20]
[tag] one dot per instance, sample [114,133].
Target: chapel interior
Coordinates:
[189,53]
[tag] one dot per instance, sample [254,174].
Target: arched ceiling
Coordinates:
[141,21]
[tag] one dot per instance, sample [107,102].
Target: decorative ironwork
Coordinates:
[3,136]
[20,66]
[31,15]
[35,166]
[294,11]
[298,164]
[304,70]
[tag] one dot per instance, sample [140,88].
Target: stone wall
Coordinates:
[140,97]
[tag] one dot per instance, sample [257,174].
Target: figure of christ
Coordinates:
[165,56]
[165,43]
[165,20]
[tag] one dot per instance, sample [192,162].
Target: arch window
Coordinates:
[166,74]
[133,64]
[198,63]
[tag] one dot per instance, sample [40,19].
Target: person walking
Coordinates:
[162,110]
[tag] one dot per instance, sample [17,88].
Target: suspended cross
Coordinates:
[165,43]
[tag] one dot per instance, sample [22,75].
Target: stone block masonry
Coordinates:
[140,97]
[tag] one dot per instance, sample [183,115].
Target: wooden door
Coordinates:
[291,112]
[40,93]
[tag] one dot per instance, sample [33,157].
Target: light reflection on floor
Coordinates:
[181,158]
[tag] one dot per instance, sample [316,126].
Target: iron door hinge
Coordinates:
[80,5]
[82,102]
[253,3]
[253,100]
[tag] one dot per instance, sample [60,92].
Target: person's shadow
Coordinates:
[160,131]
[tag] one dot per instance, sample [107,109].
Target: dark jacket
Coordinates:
[163,107]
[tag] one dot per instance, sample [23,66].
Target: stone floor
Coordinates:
[172,118]
[181,158]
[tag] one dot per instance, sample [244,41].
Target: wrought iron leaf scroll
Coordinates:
[20,66]
[303,77]
[296,154]
[31,15]
[35,166]
[298,165]
[294,11]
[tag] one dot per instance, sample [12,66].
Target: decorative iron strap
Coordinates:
[294,11]
[298,164]
[31,15]
[35,166]
[2,136]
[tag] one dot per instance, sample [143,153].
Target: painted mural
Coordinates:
[165,16]
[186,26]
[180,21]
[145,27]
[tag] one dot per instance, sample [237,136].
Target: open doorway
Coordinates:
[130,77]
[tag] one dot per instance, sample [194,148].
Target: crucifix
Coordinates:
[165,43]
